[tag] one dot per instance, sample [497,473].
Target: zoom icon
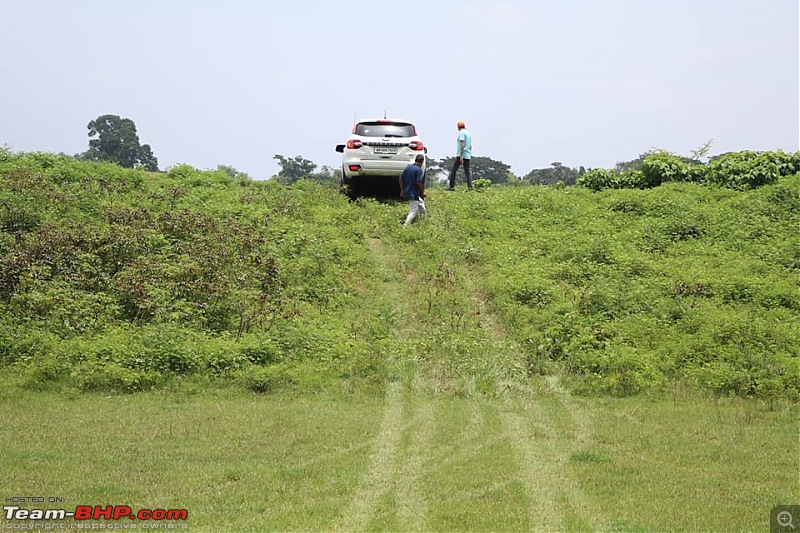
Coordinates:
[784,518]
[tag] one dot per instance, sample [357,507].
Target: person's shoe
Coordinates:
[450,189]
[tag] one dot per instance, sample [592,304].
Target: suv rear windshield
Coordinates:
[385,129]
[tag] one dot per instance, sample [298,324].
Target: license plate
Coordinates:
[385,150]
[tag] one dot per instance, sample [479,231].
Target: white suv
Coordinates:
[379,148]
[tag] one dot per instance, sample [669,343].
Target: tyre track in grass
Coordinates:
[542,440]
[397,459]
[396,466]
[381,472]
[470,442]
[542,450]
[412,509]
[542,426]
[537,471]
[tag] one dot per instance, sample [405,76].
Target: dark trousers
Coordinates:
[467,173]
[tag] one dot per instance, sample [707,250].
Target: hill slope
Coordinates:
[122,280]
[459,374]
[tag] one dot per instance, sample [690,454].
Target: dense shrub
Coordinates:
[736,170]
[748,170]
[481,184]
[127,281]
[125,273]
[629,290]
[662,168]
[597,179]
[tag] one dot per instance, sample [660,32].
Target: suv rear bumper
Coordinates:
[388,169]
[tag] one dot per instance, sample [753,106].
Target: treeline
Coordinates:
[735,170]
[114,139]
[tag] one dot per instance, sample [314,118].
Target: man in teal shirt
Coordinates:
[463,156]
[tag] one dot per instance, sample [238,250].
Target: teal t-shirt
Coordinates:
[464,135]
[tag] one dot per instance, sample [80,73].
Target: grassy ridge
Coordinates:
[630,290]
[443,358]
[121,280]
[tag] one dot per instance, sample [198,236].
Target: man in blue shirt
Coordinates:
[412,188]
[463,156]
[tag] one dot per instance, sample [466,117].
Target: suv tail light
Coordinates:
[354,168]
[353,144]
[416,145]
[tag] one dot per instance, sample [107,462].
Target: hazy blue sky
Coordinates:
[234,82]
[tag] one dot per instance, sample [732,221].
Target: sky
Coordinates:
[235,82]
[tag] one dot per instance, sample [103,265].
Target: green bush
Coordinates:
[481,184]
[597,179]
[737,170]
[619,370]
[747,170]
[632,179]
[45,373]
[111,377]
[23,343]
[109,283]
[266,379]
[662,168]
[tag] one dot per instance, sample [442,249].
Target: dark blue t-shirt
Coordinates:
[411,175]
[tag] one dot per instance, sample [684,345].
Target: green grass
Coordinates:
[128,281]
[705,465]
[523,359]
[237,462]
[548,462]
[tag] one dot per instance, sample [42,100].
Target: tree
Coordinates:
[702,151]
[294,169]
[147,159]
[327,176]
[481,168]
[233,173]
[556,173]
[115,139]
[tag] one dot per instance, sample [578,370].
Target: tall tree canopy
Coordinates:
[293,169]
[298,167]
[115,139]
[556,173]
[480,167]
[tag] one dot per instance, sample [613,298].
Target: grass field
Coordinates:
[522,360]
[426,451]
[544,461]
